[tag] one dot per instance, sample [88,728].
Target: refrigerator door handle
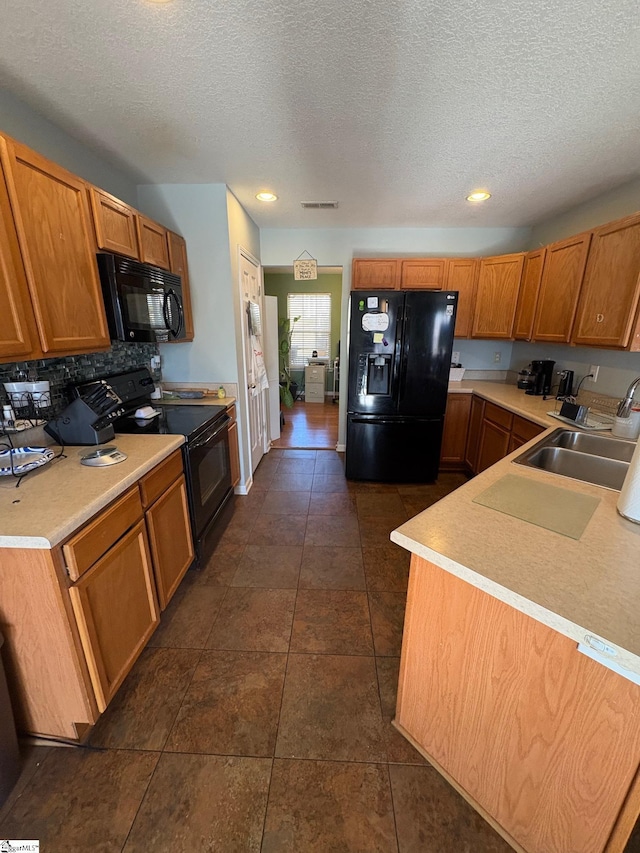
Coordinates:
[382,421]
[404,352]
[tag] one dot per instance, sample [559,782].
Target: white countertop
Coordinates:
[589,586]
[56,499]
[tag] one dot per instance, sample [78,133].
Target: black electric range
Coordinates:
[205,452]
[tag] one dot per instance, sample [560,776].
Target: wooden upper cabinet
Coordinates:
[423,274]
[53,224]
[528,296]
[18,334]
[561,281]
[114,223]
[609,298]
[376,274]
[152,241]
[178,265]
[462,275]
[498,287]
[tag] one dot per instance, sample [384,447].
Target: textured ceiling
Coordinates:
[395,108]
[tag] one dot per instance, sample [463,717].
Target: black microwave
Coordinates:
[143,302]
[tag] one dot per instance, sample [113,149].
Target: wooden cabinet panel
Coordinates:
[456,428]
[473,438]
[539,737]
[500,416]
[152,242]
[153,484]
[376,274]
[18,335]
[425,274]
[170,539]
[116,611]
[498,287]
[528,296]
[494,444]
[96,537]
[114,223]
[525,429]
[611,290]
[462,275]
[560,287]
[54,229]
[234,453]
[178,265]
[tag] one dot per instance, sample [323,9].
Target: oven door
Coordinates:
[209,471]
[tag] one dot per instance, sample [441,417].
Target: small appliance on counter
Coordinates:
[541,380]
[103,456]
[526,379]
[565,386]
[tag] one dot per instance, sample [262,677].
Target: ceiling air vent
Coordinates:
[319,205]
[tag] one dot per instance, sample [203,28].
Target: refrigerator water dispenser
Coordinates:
[378,373]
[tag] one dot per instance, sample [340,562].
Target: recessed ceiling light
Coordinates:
[266,197]
[480,195]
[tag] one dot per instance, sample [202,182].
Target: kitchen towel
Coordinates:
[629,500]
[551,507]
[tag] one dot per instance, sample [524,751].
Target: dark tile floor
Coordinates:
[259,716]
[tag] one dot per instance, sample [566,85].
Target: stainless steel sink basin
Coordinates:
[595,459]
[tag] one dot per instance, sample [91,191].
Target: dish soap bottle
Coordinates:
[221,393]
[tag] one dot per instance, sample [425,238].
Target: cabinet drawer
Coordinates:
[231,411]
[95,538]
[524,429]
[313,374]
[498,415]
[153,484]
[314,393]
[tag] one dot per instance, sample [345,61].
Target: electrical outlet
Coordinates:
[155,362]
[594,369]
[455,357]
[497,356]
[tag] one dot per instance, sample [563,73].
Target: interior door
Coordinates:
[251,304]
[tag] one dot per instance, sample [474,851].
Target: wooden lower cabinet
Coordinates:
[493,433]
[456,428]
[473,437]
[543,741]
[234,447]
[116,611]
[170,539]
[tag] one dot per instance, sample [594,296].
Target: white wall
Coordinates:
[199,213]
[338,246]
[611,205]
[27,126]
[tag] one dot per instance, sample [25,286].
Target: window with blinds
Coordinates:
[313,330]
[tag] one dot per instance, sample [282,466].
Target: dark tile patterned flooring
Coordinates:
[259,716]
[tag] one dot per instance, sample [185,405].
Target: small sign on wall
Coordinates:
[305,270]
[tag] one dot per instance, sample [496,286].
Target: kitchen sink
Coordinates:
[595,459]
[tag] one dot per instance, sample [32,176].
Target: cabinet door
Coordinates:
[114,223]
[170,539]
[528,296]
[376,274]
[153,243]
[494,444]
[473,438]
[609,297]
[456,428]
[178,265]
[542,738]
[427,274]
[55,233]
[18,335]
[462,275]
[498,287]
[116,611]
[561,281]
[234,453]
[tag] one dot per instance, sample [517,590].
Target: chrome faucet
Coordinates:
[624,408]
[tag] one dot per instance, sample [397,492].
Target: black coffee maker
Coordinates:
[542,378]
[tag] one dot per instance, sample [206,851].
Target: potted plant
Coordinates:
[288,388]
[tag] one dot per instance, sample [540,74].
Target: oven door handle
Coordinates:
[203,442]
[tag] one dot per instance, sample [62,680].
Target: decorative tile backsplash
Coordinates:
[61,373]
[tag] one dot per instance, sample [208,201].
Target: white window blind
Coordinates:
[313,329]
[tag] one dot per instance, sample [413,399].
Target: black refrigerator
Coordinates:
[399,358]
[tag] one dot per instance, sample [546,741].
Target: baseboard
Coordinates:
[341,448]
[244,488]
